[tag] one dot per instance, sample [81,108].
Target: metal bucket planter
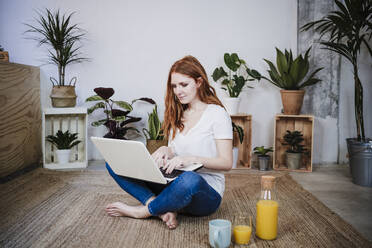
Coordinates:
[63,96]
[293,160]
[153,145]
[360,161]
[263,162]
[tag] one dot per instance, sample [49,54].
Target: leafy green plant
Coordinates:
[289,73]
[117,119]
[347,29]
[239,130]
[56,32]
[294,140]
[234,81]
[262,151]
[63,140]
[154,124]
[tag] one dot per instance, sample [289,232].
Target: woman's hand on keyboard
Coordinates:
[176,163]
[162,155]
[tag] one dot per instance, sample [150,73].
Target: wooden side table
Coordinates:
[245,149]
[74,120]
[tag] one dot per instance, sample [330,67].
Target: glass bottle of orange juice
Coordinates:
[267,210]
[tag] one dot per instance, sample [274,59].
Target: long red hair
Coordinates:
[190,67]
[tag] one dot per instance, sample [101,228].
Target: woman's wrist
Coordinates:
[172,152]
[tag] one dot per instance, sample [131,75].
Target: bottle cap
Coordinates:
[267,182]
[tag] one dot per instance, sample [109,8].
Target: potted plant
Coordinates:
[238,130]
[296,149]
[234,81]
[154,133]
[347,30]
[63,141]
[117,119]
[4,55]
[263,158]
[289,75]
[62,38]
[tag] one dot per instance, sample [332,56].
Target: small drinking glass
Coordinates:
[242,229]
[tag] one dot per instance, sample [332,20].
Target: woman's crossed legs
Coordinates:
[189,193]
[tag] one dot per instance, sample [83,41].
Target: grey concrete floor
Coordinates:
[332,185]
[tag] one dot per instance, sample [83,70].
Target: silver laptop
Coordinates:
[131,159]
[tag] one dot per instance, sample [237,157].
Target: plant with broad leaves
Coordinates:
[56,32]
[116,120]
[289,73]
[234,81]
[347,30]
[155,131]
[294,140]
[63,140]
[262,151]
[239,130]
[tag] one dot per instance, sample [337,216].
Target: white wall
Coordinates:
[132,45]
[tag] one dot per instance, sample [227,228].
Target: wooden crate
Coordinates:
[74,120]
[4,56]
[302,123]
[244,156]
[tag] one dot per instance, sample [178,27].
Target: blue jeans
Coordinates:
[189,193]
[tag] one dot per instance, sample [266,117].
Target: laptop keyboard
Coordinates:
[173,174]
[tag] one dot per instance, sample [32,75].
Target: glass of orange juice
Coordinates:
[242,231]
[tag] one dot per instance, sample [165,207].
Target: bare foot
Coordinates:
[170,219]
[117,209]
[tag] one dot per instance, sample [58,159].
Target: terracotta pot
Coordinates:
[292,101]
[63,96]
[153,145]
[4,56]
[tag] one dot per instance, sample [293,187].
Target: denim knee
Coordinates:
[190,180]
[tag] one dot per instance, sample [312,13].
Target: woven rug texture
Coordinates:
[46,208]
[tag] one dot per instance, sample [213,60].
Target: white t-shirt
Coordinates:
[215,123]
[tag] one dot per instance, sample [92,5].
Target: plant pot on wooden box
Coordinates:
[63,96]
[295,150]
[347,30]
[292,101]
[289,75]
[154,133]
[234,81]
[263,158]
[63,141]
[4,55]
[63,40]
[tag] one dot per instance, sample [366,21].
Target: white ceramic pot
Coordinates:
[231,104]
[235,156]
[63,156]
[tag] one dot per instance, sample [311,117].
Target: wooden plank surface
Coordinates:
[245,149]
[20,122]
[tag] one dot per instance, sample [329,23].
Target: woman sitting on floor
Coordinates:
[198,130]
